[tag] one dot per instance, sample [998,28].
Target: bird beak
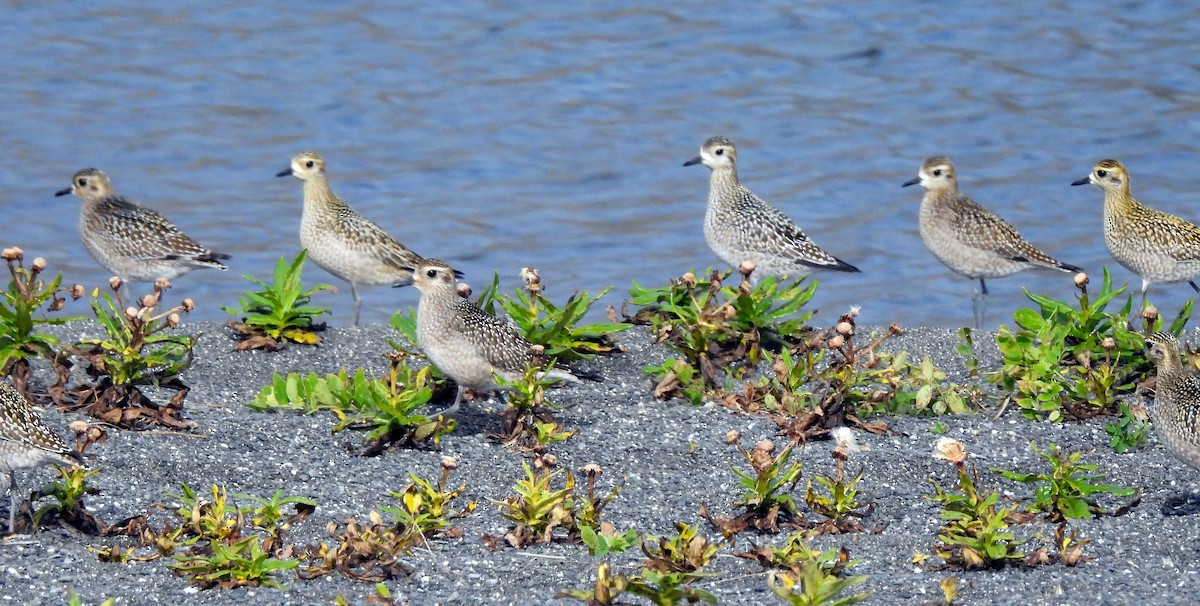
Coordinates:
[458,274]
[287,172]
[1083,181]
[693,161]
[62,192]
[912,181]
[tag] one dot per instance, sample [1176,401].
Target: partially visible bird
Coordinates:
[1176,413]
[26,442]
[1158,247]
[468,344]
[739,226]
[969,238]
[343,242]
[132,241]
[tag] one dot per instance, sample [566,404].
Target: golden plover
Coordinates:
[1158,247]
[25,442]
[132,241]
[739,226]
[1176,413]
[967,237]
[343,242]
[468,344]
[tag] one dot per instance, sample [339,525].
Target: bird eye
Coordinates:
[309,164]
[1102,173]
[937,173]
[720,151]
[432,273]
[83,183]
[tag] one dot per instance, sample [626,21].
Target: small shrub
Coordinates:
[280,312]
[560,330]
[766,500]
[814,578]
[1067,492]
[137,350]
[68,510]
[27,294]
[386,406]
[1128,431]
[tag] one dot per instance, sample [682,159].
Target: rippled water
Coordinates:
[497,135]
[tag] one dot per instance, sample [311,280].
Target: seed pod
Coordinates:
[845,328]
[77,292]
[689,278]
[837,341]
[187,305]
[162,284]
[1081,280]
[114,282]
[57,304]
[38,264]
[747,268]
[1150,314]
[464,290]
[131,313]
[732,437]
[173,320]
[449,463]
[149,301]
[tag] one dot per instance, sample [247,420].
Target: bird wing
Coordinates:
[779,228]
[370,239]
[141,233]
[497,341]
[983,229]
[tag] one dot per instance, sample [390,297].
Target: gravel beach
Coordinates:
[670,455]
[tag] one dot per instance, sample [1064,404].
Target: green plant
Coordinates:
[528,423]
[716,327]
[603,541]
[269,515]
[675,378]
[136,350]
[840,502]
[765,499]
[1067,491]
[243,562]
[425,507]
[538,509]
[974,532]
[28,292]
[813,578]
[1052,359]
[1127,432]
[688,552]
[558,329]
[924,389]
[68,509]
[280,312]
[215,520]
[938,429]
[386,406]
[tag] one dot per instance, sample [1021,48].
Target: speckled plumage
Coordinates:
[1176,413]
[1158,247]
[131,241]
[465,342]
[25,442]
[739,226]
[966,236]
[343,242]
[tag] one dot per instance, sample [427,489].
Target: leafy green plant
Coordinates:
[812,578]
[717,327]
[687,552]
[604,541]
[560,330]
[426,507]
[243,562]
[840,501]
[1067,491]
[765,500]
[136,350]
[68,509]
[974,532]
[924,389]
[27,293]
[280,312]
[270,514]
[1064,360]
[675,378]
[1128,431]
[374,551]
[386,406]
[538,509]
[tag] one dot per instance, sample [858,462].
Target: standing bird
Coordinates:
[739,226]
[1156,246]
[25,442]
[1176,413]
[132,241]
[343,242]
[967,237]
[468,344]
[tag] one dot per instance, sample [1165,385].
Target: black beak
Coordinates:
[62,192]
[1083,181]
[287,172]
[912,181]
[693,161]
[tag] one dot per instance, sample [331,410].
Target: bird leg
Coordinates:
[1193,285]
[979,304]
[457,401]
[11,485]
[357,301]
